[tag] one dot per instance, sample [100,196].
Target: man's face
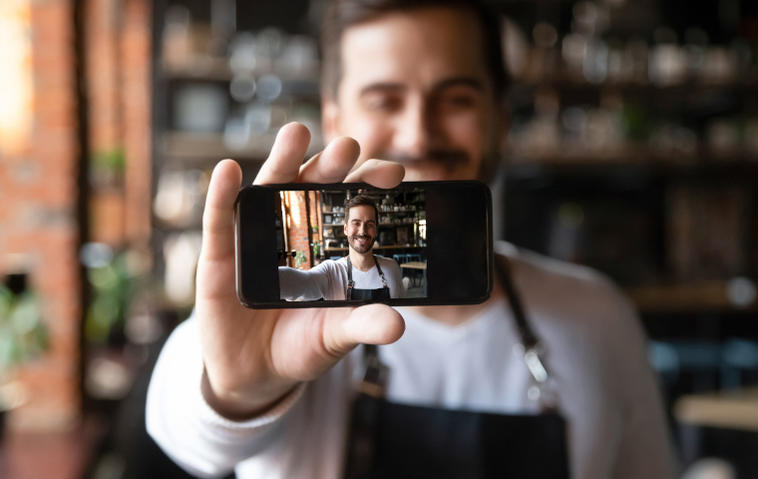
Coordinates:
[360,228]
[415,89]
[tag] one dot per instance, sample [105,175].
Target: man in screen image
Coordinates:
[361,275]
[411,90]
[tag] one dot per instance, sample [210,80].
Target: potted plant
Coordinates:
[300,259]
[107,168]
[23,337]
[111,281]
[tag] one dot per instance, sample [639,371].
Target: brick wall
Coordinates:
[102,65]
[38,181]
[135,50]
[39,222]
[297,220]
[314,199]
[118,86]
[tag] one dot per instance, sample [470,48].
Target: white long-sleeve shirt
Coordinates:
[328,280]
[595,352]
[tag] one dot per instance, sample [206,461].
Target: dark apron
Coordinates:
[366,294]
[394,440]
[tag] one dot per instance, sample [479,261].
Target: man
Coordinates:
[269,393]
[360,275]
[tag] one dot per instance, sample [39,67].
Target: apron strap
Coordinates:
[351,283]
[374,380]
[503,271]
[381,273]
[533,354]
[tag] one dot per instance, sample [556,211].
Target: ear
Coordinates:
[344,228]
[330,120]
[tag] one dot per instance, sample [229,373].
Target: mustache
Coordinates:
[447,158]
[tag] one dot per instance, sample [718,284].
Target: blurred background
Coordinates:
[633,149]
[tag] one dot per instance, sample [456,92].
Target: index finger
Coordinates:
[287,154]
[332,164]
[378,173]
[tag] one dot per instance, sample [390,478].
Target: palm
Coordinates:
[252,357]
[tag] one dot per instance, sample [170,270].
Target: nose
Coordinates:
[414,130]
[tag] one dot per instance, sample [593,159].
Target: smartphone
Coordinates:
[420,243]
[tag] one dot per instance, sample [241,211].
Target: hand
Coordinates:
[254,357]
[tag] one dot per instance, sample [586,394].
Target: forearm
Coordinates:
[298,285]
[190,432]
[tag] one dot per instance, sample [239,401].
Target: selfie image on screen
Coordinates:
[351,244]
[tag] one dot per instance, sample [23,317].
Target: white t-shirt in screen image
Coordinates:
[328,280]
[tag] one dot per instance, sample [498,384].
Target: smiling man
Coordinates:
[361,275]
[421,93]
[547,378]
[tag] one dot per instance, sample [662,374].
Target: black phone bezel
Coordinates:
[488,243]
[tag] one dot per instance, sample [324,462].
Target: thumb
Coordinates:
[370,324]
[218,223]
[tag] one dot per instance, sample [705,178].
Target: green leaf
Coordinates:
[25,317]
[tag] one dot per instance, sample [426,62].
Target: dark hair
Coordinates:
[360,200]
[342,14]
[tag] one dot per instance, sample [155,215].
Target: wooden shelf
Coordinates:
[208,68]
[632,154]
[404,210]
[686,87]
[702,296]
[379,224]
[191,146]
[740,165]
[167,228]
[377,248]
[196,147]
[199,68]
[730,409]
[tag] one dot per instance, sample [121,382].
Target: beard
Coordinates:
[356,245]
[448,160]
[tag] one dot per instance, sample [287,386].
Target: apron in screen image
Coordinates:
[354,293]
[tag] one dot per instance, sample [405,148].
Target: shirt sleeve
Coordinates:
[301,285]
[188,430]
[645,448]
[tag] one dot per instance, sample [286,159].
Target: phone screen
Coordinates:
[317,245]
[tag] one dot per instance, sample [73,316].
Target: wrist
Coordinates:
[237,407]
